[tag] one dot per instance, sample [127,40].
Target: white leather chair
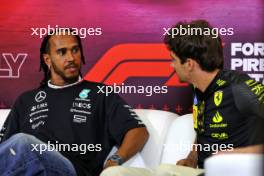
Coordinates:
[234,165]
[179,140]
[3,115]
[169,140]
[158,124]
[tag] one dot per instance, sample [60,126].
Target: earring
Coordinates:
[48,69]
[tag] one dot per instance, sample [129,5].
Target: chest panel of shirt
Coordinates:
[64,115]
[222,120]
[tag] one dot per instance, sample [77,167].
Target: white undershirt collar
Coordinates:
[61,87]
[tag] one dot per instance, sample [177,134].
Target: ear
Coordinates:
[189,64]
[47,60]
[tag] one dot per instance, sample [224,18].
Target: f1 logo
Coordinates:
[134,60]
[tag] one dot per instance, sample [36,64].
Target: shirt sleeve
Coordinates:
[121,117]
[11,124]
[249,98]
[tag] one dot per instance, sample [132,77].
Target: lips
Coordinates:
[71,67]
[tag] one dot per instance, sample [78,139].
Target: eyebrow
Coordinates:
[61,49]
[76,46]
[64,49]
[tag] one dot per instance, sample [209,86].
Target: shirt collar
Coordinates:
[61,87]
[212,87]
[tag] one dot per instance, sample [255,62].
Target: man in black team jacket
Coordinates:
[228,107]
[69,115]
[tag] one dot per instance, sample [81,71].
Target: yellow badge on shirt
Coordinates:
[218,97]
[217,118]
[195,115]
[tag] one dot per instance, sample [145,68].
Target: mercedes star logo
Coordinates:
[40,96]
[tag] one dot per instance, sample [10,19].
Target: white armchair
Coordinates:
[167,132]
[3,115]
[234,165]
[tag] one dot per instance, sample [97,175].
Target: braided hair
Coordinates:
[44,49]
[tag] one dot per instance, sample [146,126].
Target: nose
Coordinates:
[70,57]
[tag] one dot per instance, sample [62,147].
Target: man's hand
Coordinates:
[187,162]
[133,142]
[110,163]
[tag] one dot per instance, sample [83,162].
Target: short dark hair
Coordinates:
[206,50]
[44,49]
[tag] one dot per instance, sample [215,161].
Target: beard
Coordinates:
[67,79]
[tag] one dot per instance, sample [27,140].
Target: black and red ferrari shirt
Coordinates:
[229,112]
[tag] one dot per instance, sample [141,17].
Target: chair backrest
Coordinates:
[157,122]
[3,115]
[179,139]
